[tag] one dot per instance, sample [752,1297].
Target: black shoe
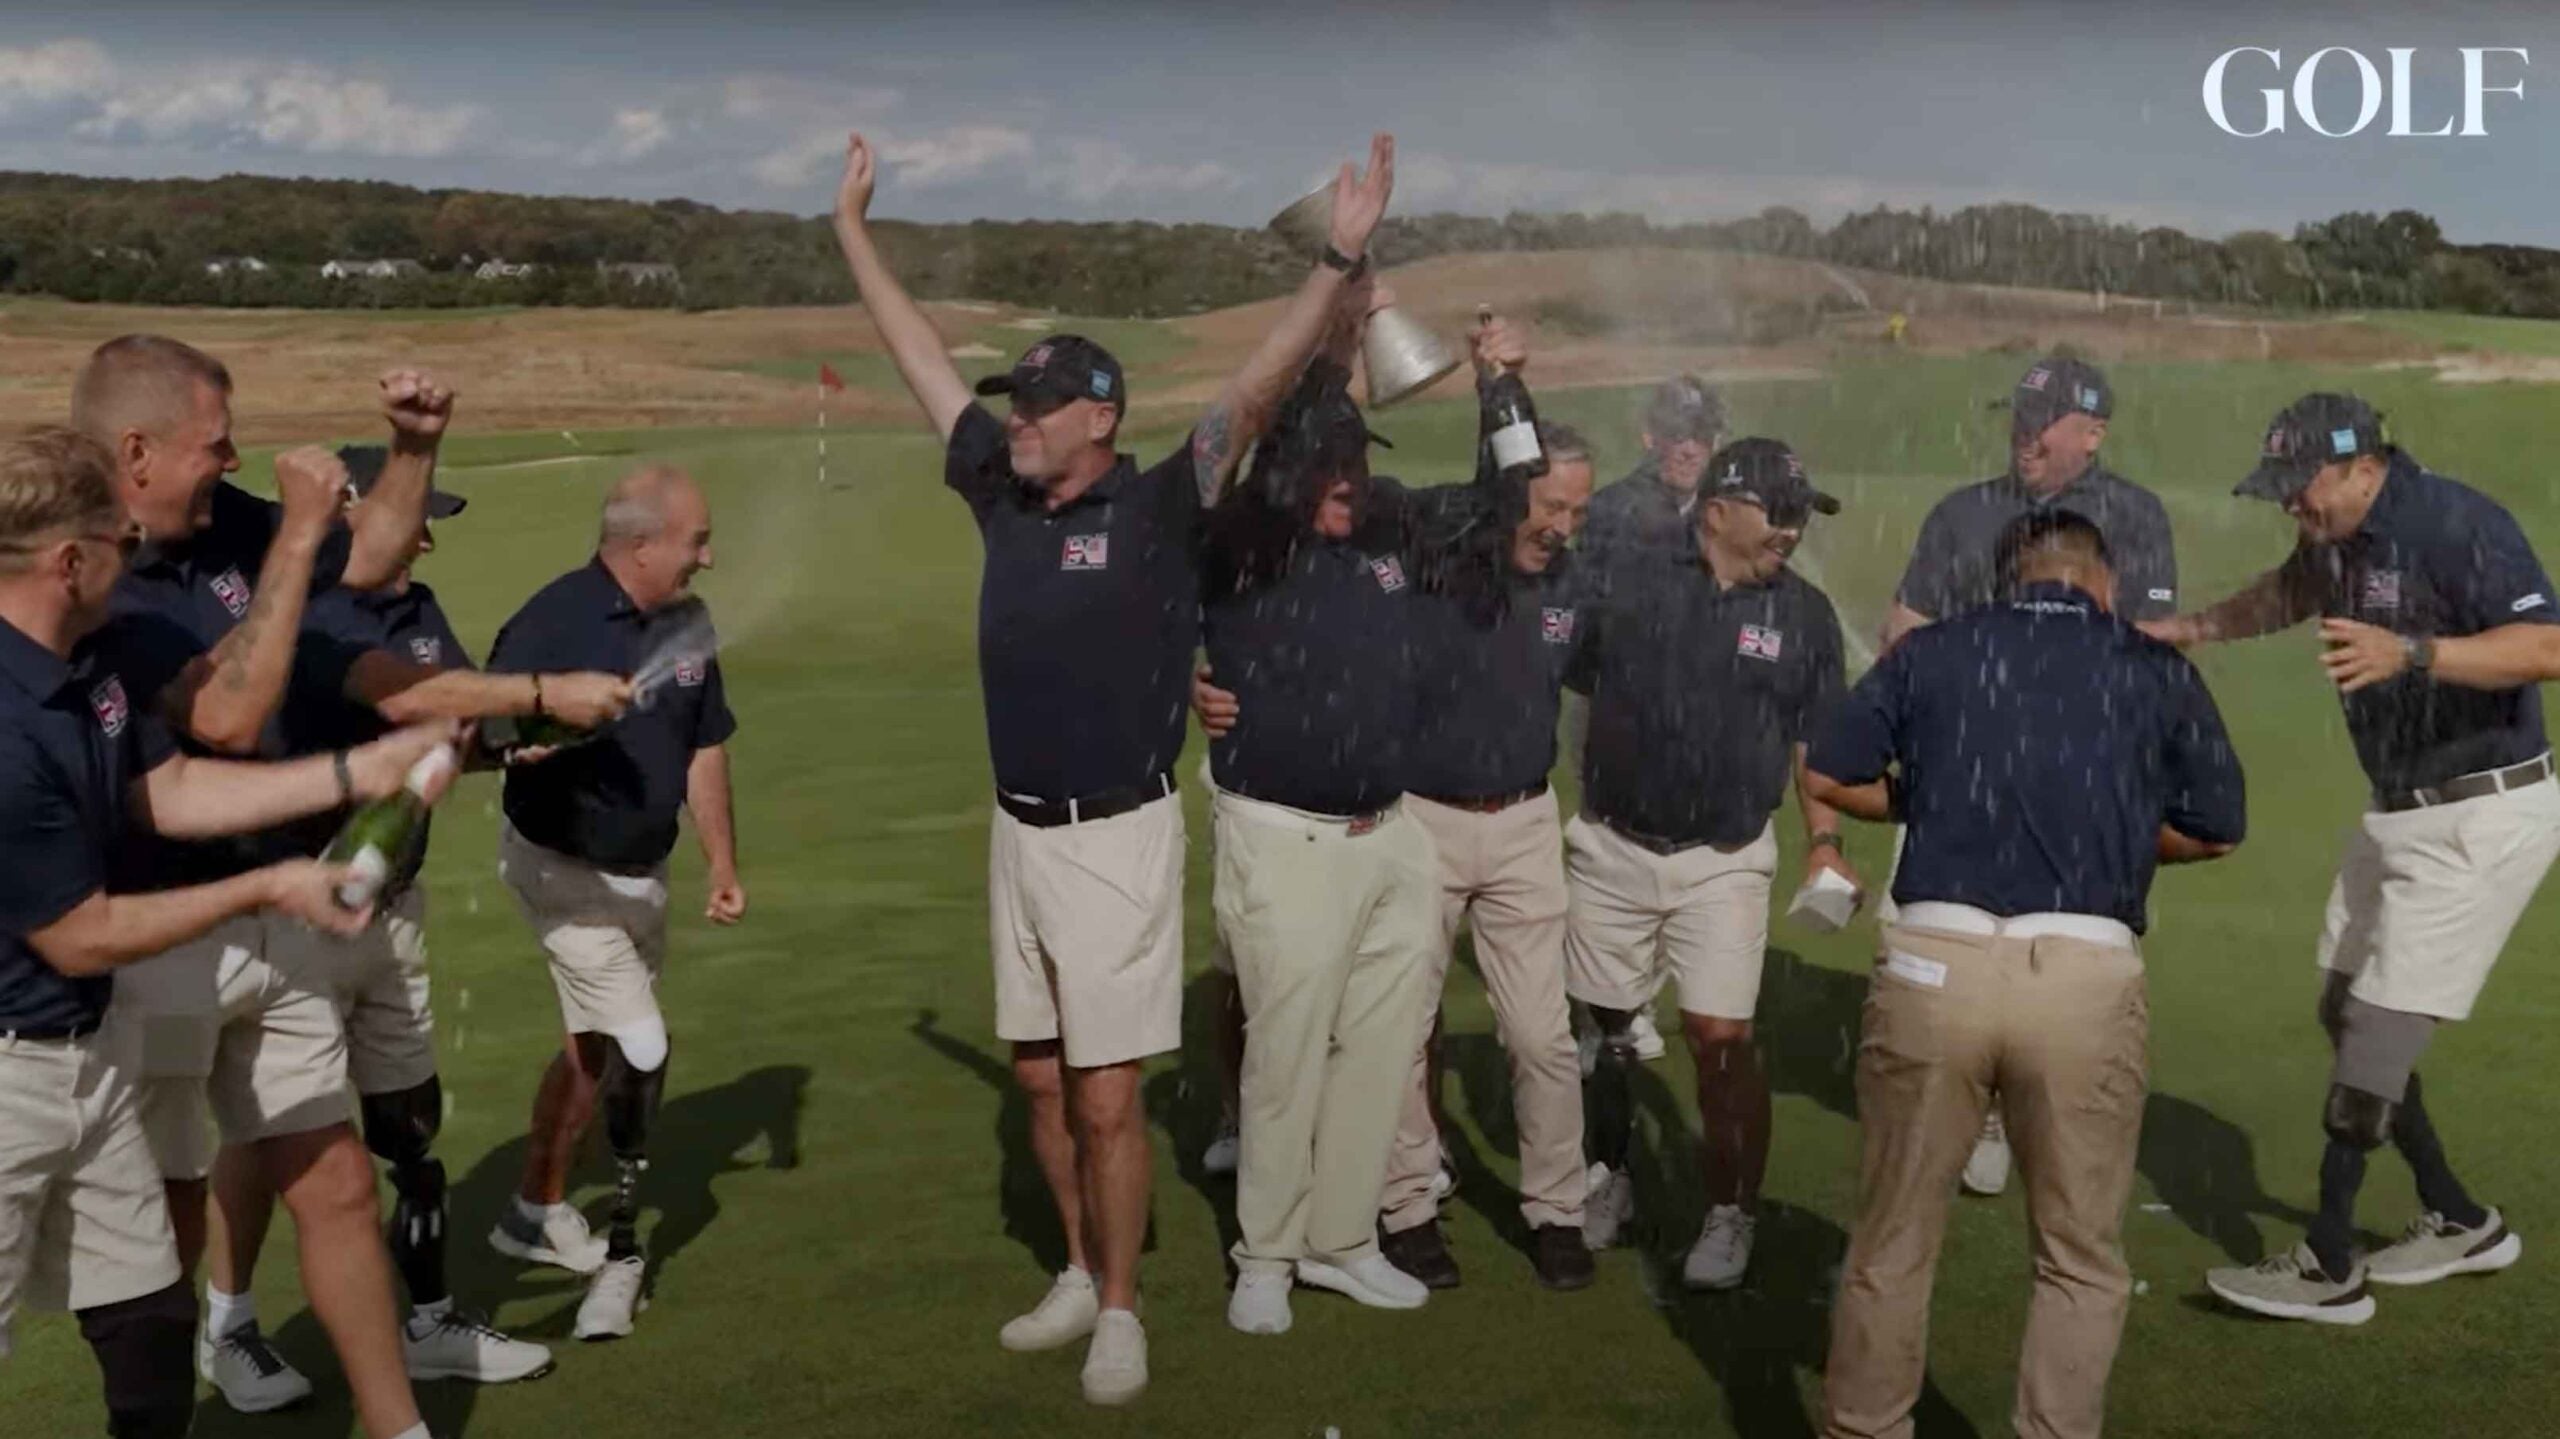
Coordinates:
[1422,1253]
[1562,1260]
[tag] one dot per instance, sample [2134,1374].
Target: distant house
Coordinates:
[235,265]
[125,254]
[639,274]
[497,269]
[370,269]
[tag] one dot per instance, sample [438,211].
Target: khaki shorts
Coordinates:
[237,1026]
[82,1218]
[1703,913]
[382,994]
[606,932]
[2425,898]
[1085,927]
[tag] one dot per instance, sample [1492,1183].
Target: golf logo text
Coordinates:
[1390,572]
[1760,643]
[689,674]
[426,649]
[108,701]
[1087,552]
[1555,625]
[232,589]
[2371,88]
[2381,590]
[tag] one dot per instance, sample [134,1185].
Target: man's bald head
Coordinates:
[656,533]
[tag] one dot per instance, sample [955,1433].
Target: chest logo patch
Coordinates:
[689,674]
[2381,590]
[1086,552]
[1760,643]
[426,649]
[107,701]
[1390,572]
[1555,624]
[232,588]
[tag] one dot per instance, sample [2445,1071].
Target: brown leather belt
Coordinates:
[2467,786]
[1487,803]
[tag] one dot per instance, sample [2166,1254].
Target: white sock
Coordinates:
[532,1211]
[226,1312]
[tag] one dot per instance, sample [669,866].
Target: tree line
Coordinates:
[158,241]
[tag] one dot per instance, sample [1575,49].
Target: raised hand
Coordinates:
[416,405]
[312,484]
[861,175]
[1497,343]
[1360,202]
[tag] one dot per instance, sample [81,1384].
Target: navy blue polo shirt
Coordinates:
[1635,522]
[1321,659]
[1088,615]
[2433,557]
[2037,746]
[72,737]
[613,800]
[1955,563]
[1699,695]
[406,623]
[1488,685]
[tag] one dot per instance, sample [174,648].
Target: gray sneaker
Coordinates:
[2435,1248]
[2292,1285]
[1609,1205]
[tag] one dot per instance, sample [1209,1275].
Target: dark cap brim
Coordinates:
[2275,481]
[1824,504]
[444,506]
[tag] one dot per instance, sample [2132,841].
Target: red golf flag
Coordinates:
[828,379]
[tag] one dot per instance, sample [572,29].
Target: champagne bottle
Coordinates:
[1510,422]
[504,735]
[378,834]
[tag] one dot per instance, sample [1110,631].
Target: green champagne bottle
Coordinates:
[378,834]
[504,735]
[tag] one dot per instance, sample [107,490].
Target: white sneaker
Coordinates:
[1986,1170]
[1224,1152]
[1064,1315]
[1723,1250]
[2435,1247]
[1608,1204]
[1370,1279]
[1115,1365]
[559,1238]
[1260,1303]
[1649,1046]
[613,1297]
[458,1344]
[252,1377]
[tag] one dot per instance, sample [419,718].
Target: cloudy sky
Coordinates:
[1190,112]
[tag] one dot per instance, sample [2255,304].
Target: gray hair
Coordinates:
[143,383]
[635,509]
[1563,442]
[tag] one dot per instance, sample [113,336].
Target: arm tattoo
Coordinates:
[238,646]
[1211,445]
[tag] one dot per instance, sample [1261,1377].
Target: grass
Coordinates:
[847,1209]
[2495,334]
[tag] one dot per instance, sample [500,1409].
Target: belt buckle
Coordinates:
[1363,823]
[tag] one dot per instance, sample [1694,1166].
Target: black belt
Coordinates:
[51,1033]
[1487,803]
[1657,843]
[2467,786]
[1102,804]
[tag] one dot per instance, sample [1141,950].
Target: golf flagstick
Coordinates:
[828,380]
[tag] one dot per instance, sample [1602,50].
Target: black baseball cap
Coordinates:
[1683,408]
[2313,432]
[2056,386]
[1062,368]
[364,470]
[1767,473]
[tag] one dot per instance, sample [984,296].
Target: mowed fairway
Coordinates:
[844,1202]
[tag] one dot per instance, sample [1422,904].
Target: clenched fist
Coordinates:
[312,485]
[416,405]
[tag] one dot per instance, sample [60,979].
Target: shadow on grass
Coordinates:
[701,1136]
[1022,1191]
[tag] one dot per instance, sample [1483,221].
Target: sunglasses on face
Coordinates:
[1786,514]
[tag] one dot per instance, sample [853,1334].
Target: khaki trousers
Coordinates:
[1332,934]
[2059,1027]
[1505,872]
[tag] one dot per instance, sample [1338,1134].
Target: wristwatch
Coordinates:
[2421,650]
[1827,838]
[1351,269]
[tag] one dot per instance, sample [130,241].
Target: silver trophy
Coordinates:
[1400,353]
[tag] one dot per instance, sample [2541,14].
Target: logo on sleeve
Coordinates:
[690,674]
[1555,624]
[2381,590]
[1760,643]
[1087,552]
[2532,601]
[2164,596]
[1390,572]
[233,590]
[108,702]
[426,649]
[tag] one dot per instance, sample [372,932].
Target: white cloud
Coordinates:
[59,70]
[1097,170]
[635,133]
[917,161]
[798,165]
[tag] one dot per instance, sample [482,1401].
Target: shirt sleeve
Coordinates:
[1861,737]
[147,651]
[525,644]
[713,723]
[2147,569]
[321,661]
[52,865]
[2504,584]
[2205,796]
[329,564]
[975,463]
[1176,484]
[1928,581]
